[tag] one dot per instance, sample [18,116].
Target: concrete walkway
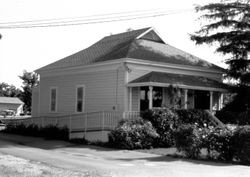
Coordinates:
[113,162]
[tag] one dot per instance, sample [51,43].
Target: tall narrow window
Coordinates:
[53,99]
[80,99]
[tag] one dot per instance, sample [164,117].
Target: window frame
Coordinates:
[83,98]
[50,99]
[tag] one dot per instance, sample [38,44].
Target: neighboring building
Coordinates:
[127,72]
[11,104]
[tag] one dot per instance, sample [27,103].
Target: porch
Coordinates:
[174,90]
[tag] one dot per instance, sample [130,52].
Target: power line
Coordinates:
[71,22]
[70,18]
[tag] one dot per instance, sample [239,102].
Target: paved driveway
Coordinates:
[120,163]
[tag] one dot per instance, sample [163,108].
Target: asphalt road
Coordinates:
[111,162]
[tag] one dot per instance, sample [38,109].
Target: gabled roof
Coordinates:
[179,79]
[10,100]
[144,44]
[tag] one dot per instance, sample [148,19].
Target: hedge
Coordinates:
[133,133]
[166,120]
[187,140]
[49,131]
[229,117]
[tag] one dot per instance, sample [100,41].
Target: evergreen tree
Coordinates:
[229,26]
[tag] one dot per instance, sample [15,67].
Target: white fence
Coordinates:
[78,123]
[94,121]
[131,114]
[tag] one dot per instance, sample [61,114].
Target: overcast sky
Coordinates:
[32,48]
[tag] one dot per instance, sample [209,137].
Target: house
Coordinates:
[127,73]
[11,104]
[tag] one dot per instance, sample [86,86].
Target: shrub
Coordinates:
[229,117]
[219,143]
[194,116]
[165,121]
[242,143]
[54,132]
[188,140]
[133,133]
[50,131]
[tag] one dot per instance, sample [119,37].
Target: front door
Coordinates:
[201,99]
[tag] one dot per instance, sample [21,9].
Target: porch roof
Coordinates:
[180,80]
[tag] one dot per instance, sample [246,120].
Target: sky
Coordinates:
[31,48]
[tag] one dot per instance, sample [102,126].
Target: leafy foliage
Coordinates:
[242,144]
[187,140]
[200,118]
[165,121]
[133,134]
[30,80]
[219,143]
[229,117]
[9,90]
[50,131]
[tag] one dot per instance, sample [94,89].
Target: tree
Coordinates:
[9,90]
[30,80]
[229,26]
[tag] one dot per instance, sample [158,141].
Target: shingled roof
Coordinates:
[10,100]
[180,79]
[144,44]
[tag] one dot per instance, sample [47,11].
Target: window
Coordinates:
[53,99]
[80,98]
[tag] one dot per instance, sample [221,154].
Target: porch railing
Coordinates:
[79,123]
[76,123]
[131,114]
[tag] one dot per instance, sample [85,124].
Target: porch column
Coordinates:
[221,101]
[211,101]
[130,98]
[150,97]
[185,98]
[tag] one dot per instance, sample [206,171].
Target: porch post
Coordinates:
[211,101]
[221,101]
[185,98]
[150,97]
[130,98]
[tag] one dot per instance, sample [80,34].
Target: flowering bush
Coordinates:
[165,121]
[188,140]
[193,116]
[133,133]
[219,144]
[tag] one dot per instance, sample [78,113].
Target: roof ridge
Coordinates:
[117,34]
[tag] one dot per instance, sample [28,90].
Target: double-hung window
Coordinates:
[80,96]
[53,99]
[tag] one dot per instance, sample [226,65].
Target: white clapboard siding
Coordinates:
[135,99]
[101,89]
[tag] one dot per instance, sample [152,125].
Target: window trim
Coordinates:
[50,96]
[83,98]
